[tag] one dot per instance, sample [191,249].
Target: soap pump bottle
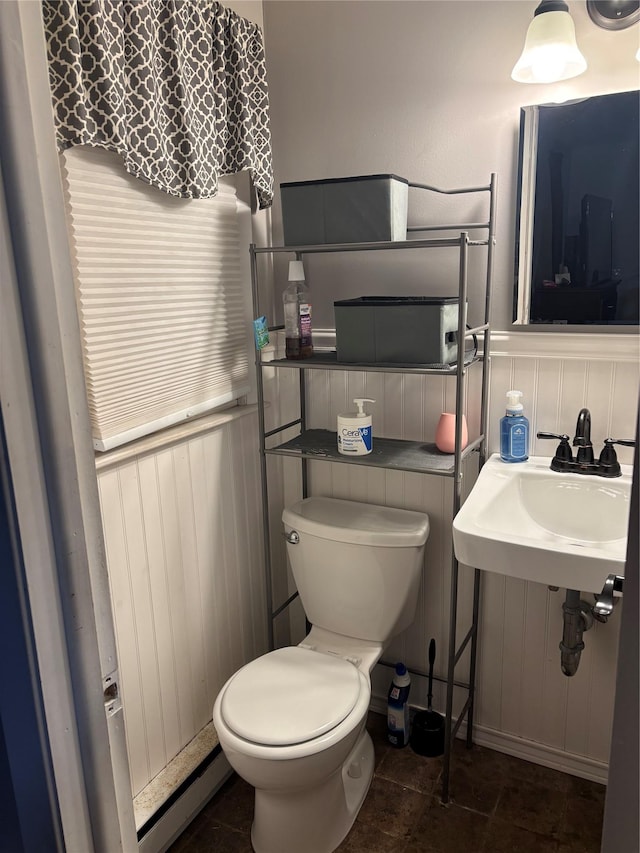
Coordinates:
[297,314]
[514,430]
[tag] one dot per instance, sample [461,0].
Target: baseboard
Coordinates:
[540,753]
[528,750]
[175,820]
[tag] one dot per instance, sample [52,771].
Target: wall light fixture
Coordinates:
[550,50]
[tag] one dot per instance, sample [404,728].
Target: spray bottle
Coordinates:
[514,431]
[355,430]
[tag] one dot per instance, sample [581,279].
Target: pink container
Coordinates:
[446,433]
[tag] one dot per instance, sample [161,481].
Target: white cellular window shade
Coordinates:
[161,298]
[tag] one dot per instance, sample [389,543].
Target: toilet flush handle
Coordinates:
[292,537]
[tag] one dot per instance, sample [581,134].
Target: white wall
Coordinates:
[423,90]
[251,9]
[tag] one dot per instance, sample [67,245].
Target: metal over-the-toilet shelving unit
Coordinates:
[399,455]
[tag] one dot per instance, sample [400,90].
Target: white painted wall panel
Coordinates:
[183,526]
[161,606]
[534,654]
[124,619]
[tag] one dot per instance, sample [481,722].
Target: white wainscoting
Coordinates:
[525,705]
[183,528]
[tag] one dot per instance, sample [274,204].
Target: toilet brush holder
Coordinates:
[427,734]
[428,730]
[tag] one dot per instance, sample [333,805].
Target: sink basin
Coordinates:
[529,522]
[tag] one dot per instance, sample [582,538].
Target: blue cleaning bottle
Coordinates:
[398,707]
[514,431]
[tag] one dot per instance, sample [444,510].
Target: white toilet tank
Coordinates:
[357,566]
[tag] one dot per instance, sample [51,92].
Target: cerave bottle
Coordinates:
[355,436]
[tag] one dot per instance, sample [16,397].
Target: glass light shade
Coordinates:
[550,51]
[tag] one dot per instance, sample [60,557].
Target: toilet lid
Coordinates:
[290,696]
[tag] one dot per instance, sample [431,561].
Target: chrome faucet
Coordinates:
[584,462]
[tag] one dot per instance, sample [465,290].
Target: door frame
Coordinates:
[51,459]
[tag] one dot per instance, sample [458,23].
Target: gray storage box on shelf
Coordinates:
[397,329]
[361,209]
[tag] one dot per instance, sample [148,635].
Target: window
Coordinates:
[160,297]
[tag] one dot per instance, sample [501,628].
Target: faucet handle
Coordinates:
[563,456]
[608,461]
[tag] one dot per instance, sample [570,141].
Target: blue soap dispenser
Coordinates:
[514,431]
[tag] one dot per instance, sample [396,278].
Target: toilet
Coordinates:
[292,722]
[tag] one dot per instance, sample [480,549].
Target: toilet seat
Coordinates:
[290,696]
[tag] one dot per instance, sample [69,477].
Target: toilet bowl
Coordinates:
[317,704]
[292,722]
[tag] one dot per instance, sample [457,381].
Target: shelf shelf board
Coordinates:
[328,360]
[378,245]
[395,454]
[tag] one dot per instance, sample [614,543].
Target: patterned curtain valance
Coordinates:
[176,87]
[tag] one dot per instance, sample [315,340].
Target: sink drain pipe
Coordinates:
[578,618]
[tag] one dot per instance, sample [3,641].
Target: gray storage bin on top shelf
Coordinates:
[361,209]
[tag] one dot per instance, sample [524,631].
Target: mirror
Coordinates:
[577,234]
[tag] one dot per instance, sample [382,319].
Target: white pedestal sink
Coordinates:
[560,529]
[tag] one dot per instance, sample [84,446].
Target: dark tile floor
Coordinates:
[498,804]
